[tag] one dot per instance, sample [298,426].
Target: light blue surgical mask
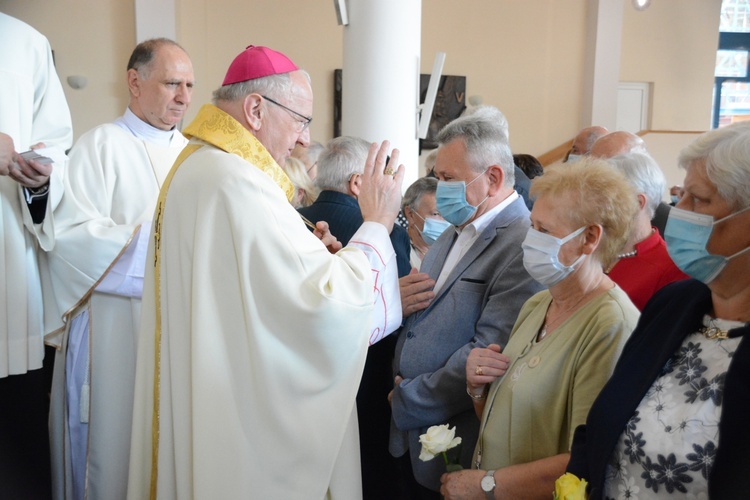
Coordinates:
[541,256]
[432,228]
[687,234]
[451,201]
[573,158]
[674,198]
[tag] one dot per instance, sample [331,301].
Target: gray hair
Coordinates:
[429,161]
[485,141]
[642,171]
[272,86]
[492,114]
[726,152]
[313,151]
[343,157]
[419,188]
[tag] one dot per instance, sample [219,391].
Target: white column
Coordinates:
[155,19]
[380,89]
[602,67]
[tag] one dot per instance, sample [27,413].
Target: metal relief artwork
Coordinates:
[449,104]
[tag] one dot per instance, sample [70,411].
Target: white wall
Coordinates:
[524,56]
[90,38]
[673,44]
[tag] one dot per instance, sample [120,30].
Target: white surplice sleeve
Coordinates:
[125,277]
[372,238]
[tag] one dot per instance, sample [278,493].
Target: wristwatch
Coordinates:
[488,484]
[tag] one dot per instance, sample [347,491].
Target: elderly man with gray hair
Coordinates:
[254,334]
[468,294]
[340,168]
[643,266]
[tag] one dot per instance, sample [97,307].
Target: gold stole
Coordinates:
[217,128]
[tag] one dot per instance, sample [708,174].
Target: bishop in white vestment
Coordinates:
[254,335]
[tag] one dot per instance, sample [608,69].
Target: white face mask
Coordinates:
[540,256]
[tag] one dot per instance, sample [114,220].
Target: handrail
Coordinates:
[555,154]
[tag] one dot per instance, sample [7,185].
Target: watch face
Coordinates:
[488,483]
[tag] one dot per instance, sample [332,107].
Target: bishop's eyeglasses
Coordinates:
[304,121]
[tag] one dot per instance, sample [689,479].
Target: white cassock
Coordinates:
[32,109]
[102,224]
[263,341]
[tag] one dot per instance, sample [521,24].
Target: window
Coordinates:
[732,84]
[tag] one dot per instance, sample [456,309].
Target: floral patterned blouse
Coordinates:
[669,444]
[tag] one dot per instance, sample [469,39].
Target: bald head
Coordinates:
[617,143]
[586,138]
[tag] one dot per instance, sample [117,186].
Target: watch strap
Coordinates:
[490,494]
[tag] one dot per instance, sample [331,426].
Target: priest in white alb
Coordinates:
[254,334]
[102,225]
[33,110]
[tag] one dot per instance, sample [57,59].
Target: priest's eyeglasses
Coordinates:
[304,121]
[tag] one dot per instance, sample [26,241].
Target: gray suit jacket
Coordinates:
[477,306]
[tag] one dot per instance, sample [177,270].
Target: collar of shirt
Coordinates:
[479,224]
[466,238]
[142,130]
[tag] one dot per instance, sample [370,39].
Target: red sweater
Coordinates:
[645,273]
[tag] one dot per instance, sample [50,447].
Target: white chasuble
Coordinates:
[255,360]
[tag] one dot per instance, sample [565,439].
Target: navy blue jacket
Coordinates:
[344,217]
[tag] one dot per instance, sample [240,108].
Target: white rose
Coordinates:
[437,439]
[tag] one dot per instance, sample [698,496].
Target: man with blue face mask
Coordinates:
[468,294]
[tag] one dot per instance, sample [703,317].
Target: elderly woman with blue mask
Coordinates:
[672,420]
[532,394]
[425,222]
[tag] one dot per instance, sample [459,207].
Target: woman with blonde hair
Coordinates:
[532,393]
[305,191]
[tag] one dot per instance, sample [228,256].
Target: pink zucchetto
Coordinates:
[257,62]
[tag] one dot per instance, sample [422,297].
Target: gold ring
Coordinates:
[478,370]
[389,171]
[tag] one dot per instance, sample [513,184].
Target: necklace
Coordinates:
[620,256]
[548,322]
[627,255]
